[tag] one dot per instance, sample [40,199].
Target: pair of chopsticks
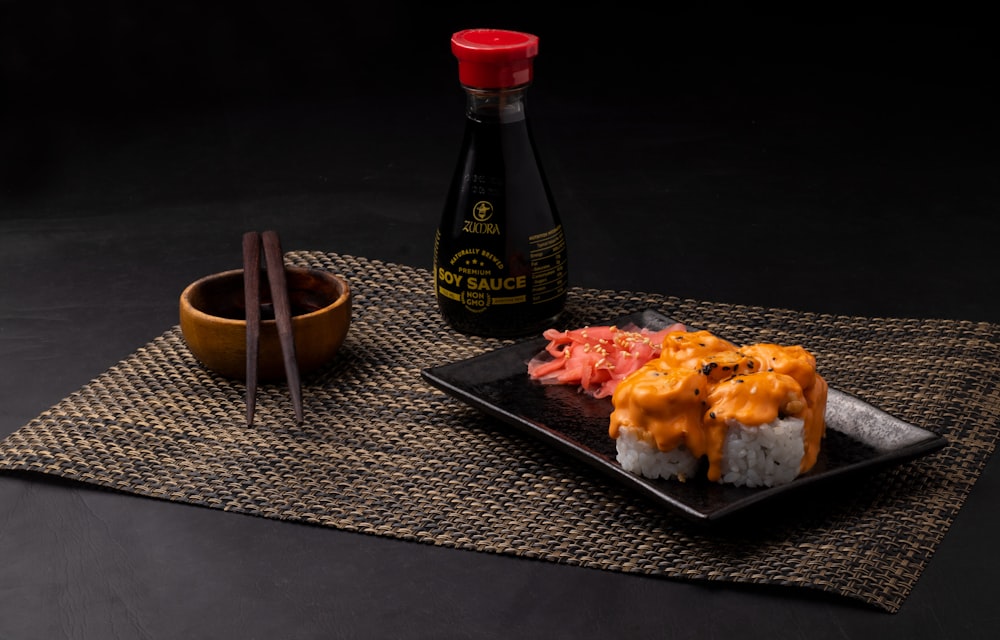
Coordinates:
[275,264]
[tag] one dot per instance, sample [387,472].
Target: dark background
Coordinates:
[733,129]
[306,108]
[129,58]
[119,67]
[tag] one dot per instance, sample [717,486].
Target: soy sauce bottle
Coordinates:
[500,265]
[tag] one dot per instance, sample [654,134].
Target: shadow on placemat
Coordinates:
[381,452]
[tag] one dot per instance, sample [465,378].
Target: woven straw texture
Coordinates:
[383,453]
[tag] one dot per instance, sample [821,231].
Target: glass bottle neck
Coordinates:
[496,105]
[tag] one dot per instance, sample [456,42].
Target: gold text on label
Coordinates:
[483,228]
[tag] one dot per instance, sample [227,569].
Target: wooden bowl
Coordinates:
[213,322]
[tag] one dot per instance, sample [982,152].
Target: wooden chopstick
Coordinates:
[251,295]
[275,262]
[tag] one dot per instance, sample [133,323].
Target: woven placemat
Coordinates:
[381,452]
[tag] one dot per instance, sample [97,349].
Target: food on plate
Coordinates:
[685,400]
[756,413]
[596,358]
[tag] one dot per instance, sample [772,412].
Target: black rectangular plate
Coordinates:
[859,436]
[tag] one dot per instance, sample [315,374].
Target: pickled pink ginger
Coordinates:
[596,358]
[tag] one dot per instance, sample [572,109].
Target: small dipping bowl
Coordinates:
[213,322]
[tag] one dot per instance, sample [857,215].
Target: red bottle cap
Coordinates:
[494,58]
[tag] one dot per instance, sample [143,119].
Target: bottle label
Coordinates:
[548,265]
[479,279]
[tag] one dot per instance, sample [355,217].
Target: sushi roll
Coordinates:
[754,415]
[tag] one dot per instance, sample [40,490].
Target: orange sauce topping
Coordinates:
[700,383]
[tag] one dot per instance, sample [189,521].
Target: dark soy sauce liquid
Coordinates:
[500,263]
[224,297]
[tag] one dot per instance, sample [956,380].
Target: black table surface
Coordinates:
[841,169]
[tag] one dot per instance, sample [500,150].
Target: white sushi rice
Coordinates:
[764,456]
[635,455]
